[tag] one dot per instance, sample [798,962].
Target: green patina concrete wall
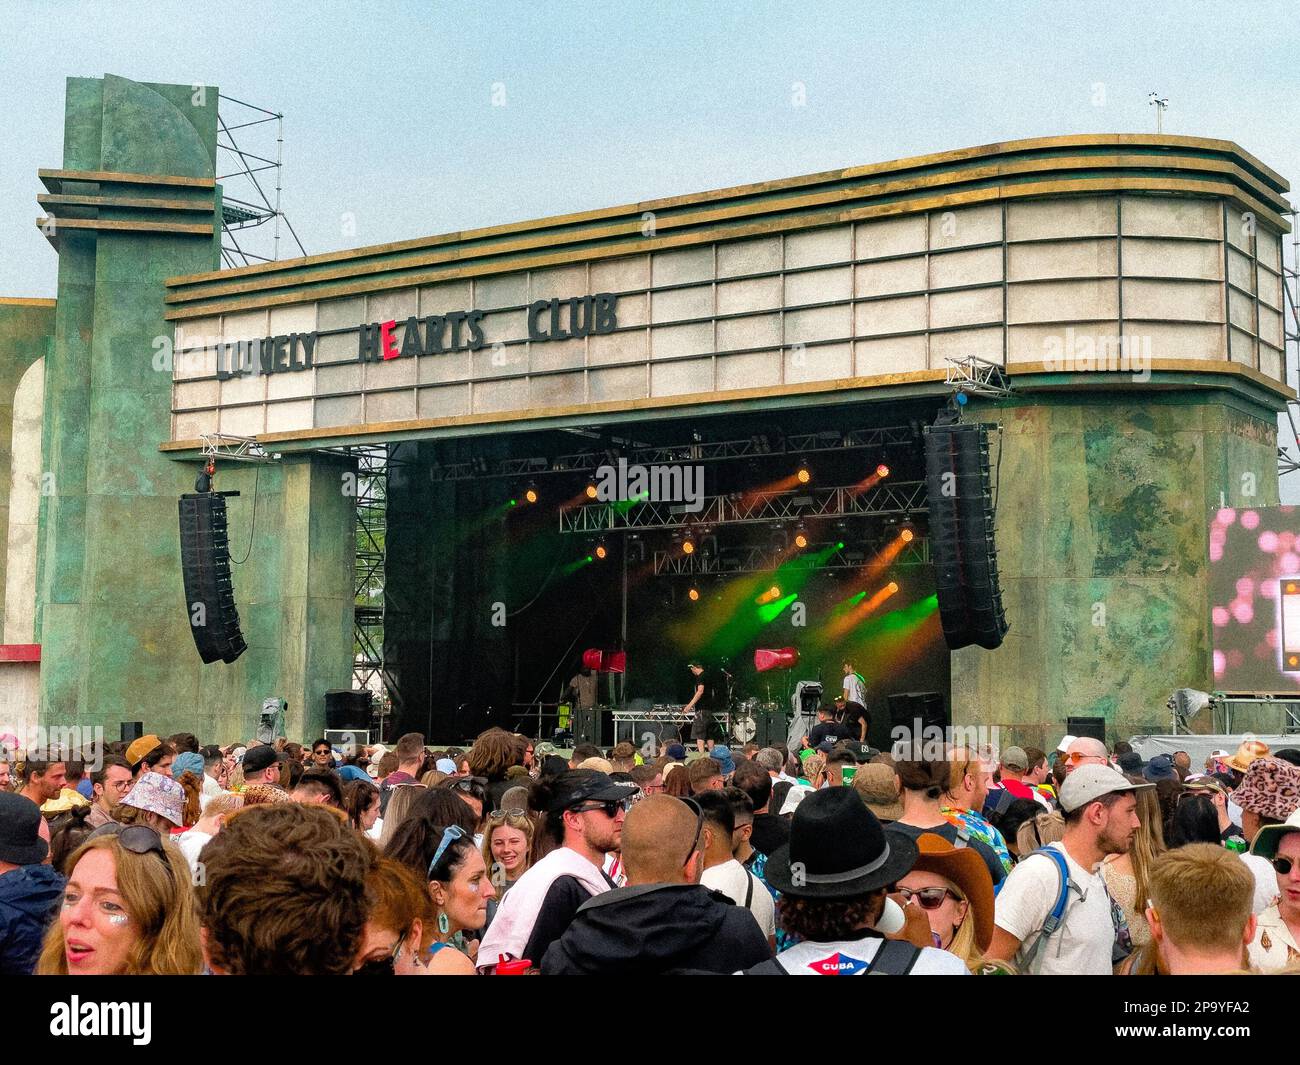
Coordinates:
[26,331]
[111,613]
[1103,519]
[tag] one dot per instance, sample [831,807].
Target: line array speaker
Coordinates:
[205,566]
[961,534]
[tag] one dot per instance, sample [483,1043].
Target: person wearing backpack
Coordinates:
[832,876]
[1053,914]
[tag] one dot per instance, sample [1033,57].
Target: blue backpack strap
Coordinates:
[1054,918]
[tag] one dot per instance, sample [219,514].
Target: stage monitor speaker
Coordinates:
[961,535]
[132,730]
[906,708]
[586,725]
[1095,727]
[205,568]
[347,710]
[772,726]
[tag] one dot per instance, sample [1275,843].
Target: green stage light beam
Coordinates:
[769,612]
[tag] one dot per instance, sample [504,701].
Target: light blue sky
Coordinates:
[390,116]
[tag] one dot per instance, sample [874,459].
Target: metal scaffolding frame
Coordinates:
[884,499]
[369,671]
[755,446]
[1289,461]
[760,559]
[238,213]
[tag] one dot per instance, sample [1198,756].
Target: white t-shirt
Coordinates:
[854,690]
[852,957]
[1265,882]
[1083,943]
[191,843]
[735,881]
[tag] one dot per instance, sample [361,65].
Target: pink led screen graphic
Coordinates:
[1255,599]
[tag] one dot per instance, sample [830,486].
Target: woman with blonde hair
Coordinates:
[128,910]
[952,885]
[433,778]
[399,805]
[1127,876]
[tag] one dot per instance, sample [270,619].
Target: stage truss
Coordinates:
[756,446]
[738,508]
[738,560]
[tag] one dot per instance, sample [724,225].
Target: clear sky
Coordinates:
[390,115]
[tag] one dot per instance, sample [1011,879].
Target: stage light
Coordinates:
[688,545]
[893,587]
[804,475]
[601,551]
[694,594]
[800,541]
[774,592]
[907,536]
[882,471]
[530,493]
[591,491]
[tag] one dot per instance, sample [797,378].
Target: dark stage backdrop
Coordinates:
[489,607]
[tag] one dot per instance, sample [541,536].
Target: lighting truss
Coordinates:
[760,559]
[234,448]
[977,377]
[886,498]
[760,444]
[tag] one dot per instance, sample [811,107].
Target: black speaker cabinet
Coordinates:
[586,726]
[347,710]
[906,708]
[205,568]
[1095,727]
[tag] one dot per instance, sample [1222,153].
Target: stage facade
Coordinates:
[1129,287]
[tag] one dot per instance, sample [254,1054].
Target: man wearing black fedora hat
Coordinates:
[29,891]
[833,876]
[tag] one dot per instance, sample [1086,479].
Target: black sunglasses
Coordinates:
[609,809]
[1283,865]
[476,786]
[930,898]
[386,966]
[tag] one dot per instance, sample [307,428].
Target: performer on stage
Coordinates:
[703,705]
[855,701]
[585,684]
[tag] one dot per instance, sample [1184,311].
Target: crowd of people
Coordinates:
[165,857]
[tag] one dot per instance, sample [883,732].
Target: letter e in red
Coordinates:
[386,338]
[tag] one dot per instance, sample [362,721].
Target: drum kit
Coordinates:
[744,727]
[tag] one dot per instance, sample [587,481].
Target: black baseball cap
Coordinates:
[588,785]
[258,758]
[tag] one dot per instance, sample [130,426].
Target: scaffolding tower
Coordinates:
[368,671]
[245,203]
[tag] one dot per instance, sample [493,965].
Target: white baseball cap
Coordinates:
[1089,783]
[1064,745]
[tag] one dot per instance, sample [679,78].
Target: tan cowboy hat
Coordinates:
[1247,753]
[966,869]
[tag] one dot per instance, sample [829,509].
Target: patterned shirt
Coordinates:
[978,829]
[1274,947]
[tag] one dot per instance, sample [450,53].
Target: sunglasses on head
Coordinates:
[1283,865]
[699,826]
[449,836]
[930,898]
[476,786]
